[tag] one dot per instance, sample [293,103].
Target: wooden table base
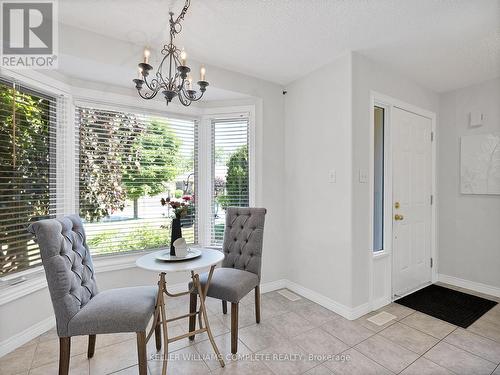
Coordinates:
[160,316]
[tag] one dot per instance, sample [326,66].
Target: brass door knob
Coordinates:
[398,217]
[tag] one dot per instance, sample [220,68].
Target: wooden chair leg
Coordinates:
[141,353]
[64,354]
[234,328]
[158,335]
[224,307]
[257,303]
[193,301]
[91,348]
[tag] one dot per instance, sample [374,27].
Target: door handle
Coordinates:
[398,217]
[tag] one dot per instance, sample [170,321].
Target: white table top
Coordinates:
[208,258]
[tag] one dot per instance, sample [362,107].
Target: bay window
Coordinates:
[116,168]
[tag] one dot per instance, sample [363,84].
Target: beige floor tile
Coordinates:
[246,316]
[352,362]
[109,339]
[249,299]
[428,324]
[185,361]
[320,343]
[51,334]
[387,353]
[487,326]
[397,310]
[132,370]
[223,342]
[409,338]
[78,365]
[423,366]
[173,346]
[348,331]
[475,344]
[19,360]
[319,370]
[260,336]
[286,358]
[290,324]
[244,367]
[372,326]
[113,358]
[315,314]
[48,351]
[458,360]
[271,307]
[286,304]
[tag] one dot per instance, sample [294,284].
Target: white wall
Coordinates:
[81,53]
[469,235]
[370,76]
[317,213]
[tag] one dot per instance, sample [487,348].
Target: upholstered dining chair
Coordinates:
[79,308]
[240,271]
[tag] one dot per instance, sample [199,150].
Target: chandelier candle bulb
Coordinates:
[183,57]
[147,53]
[203,71]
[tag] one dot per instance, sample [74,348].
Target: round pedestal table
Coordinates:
[209,258]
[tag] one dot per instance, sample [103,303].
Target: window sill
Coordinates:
[35,280]
[380,254]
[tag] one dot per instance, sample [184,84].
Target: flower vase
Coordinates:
[176,233]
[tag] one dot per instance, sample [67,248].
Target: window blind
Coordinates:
[28,171]
[230,171]
[127,165]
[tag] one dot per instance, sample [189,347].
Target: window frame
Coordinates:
[205,185]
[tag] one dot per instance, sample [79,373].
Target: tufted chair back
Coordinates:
[243,238]
[68,266]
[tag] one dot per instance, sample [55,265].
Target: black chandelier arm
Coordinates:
[190,98]
[184,102]
[181,15]
[154,85]
[147,95]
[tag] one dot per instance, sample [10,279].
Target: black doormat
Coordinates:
[460,309]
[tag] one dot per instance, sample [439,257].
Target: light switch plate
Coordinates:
[363,176]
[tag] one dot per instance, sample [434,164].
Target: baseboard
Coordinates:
[327,303]
[27,335]
[472,285]
[273,285]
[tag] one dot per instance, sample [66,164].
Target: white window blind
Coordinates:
[28,171]
[127,163]
[230,171]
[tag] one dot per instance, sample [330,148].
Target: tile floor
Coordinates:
[297,337]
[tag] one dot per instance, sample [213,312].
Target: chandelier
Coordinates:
[172,78]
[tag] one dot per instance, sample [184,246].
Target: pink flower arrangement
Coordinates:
[180,207]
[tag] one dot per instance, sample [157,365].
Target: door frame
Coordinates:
[388,103]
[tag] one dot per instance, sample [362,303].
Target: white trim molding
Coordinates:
[472,285]
[27,335]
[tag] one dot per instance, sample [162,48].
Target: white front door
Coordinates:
[411,205]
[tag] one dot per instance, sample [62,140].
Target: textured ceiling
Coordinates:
[442,44]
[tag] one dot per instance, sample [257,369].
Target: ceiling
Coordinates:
[441,44]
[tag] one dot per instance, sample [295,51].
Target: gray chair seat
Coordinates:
[115,310]
[229,284]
